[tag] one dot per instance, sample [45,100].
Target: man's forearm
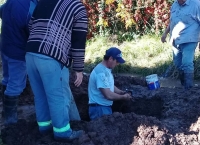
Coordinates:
[118,91]
[111,95]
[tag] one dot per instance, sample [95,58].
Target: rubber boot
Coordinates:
[3,88]
[10,109]
[181,77]
[188,80]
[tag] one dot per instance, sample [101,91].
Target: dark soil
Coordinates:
[166,116]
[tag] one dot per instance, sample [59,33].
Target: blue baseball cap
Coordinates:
[116,54]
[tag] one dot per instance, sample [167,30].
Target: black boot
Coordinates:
[10,109]
[181,77]
[3,88]
[188,80]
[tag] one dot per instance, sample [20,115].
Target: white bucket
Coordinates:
[152,82]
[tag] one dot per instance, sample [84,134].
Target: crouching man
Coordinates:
[101,89]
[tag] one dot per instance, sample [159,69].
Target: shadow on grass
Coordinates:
[164,69]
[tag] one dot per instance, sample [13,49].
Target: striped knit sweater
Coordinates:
[58,29]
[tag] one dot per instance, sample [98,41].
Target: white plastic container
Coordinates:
[152,82]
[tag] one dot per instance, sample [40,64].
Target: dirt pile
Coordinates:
[163,117]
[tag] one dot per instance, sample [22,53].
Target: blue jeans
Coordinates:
[183,56]
[50,84]
[14,75]
[98,111]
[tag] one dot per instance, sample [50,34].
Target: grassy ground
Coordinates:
[145,55]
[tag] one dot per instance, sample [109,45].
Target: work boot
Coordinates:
[74,135]
[188,80]
[10,109]
[3,88]
[181,77]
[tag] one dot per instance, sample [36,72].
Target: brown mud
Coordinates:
[166,116]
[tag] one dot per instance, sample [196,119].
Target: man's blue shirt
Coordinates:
[185,22]
[14,30]
[101,77]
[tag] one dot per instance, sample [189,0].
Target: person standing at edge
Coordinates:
[101,89]
[184,29]
[57,40]
[15,15]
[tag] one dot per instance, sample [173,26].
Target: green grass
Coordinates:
[145,55]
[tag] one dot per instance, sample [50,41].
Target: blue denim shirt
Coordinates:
[185,22]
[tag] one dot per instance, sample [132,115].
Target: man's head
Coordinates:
[113,57]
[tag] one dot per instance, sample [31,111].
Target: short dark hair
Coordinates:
[106,57]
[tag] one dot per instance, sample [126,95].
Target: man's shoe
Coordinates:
[74,135]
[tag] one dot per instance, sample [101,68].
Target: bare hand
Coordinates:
[163,38]
[79,78]
[127,96]
[122,92]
